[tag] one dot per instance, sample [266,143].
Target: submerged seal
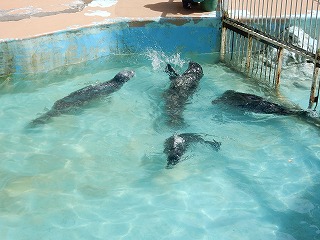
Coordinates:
[176,145]
[81,97]
[181,88]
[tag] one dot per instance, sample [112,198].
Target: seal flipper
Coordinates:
[171,72]
[214,144]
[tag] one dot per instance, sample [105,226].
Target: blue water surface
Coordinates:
[100,173]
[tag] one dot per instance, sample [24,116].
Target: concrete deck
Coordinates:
[21,19]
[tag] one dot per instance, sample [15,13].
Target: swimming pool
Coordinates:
[100,173]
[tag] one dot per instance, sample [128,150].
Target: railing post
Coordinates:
[314,85]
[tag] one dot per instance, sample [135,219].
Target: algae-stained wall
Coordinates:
[44,53]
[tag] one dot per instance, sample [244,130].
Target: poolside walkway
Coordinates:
[28,18]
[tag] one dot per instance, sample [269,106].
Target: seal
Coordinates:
[83,96]
[176,145]
[181,88]
[253,103]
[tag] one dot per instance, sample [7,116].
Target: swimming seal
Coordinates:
[181,88]
[81,97]
[254,103]
[176,145]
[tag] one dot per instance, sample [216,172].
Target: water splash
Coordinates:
[159,59]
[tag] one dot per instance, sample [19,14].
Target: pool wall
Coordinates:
[47,52]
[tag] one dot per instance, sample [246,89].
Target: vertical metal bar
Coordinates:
[265,63]
[251,15]
[242,46]
[227,45]
[249,53]
[304,27]
[279,67]
[234,46]
[228,42]
[264,19]
[310,26]
[254,50]
[257,60]
[280,20]
[277,20]
[239,10]
[232,43]
[300,23]
[259,57]
[258,22]
[238,49]
[285,20]
[223,7]
[223,43]
[276,64]
[270,18]
[243,12]
[289,22]
[312,98]
[260,25]
[239,52]
[295,16]
[315,32]
[270,63]
[262,62]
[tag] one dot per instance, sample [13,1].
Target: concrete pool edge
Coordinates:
[50,51]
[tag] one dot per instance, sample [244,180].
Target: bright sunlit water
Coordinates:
[100,173]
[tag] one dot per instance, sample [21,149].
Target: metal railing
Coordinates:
[255,34]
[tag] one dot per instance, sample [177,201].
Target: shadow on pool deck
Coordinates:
[173,8]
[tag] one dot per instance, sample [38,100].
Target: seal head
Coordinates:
[124,76]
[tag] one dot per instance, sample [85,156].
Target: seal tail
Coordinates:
[43,119]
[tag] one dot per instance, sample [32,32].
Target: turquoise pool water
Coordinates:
[100,173]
